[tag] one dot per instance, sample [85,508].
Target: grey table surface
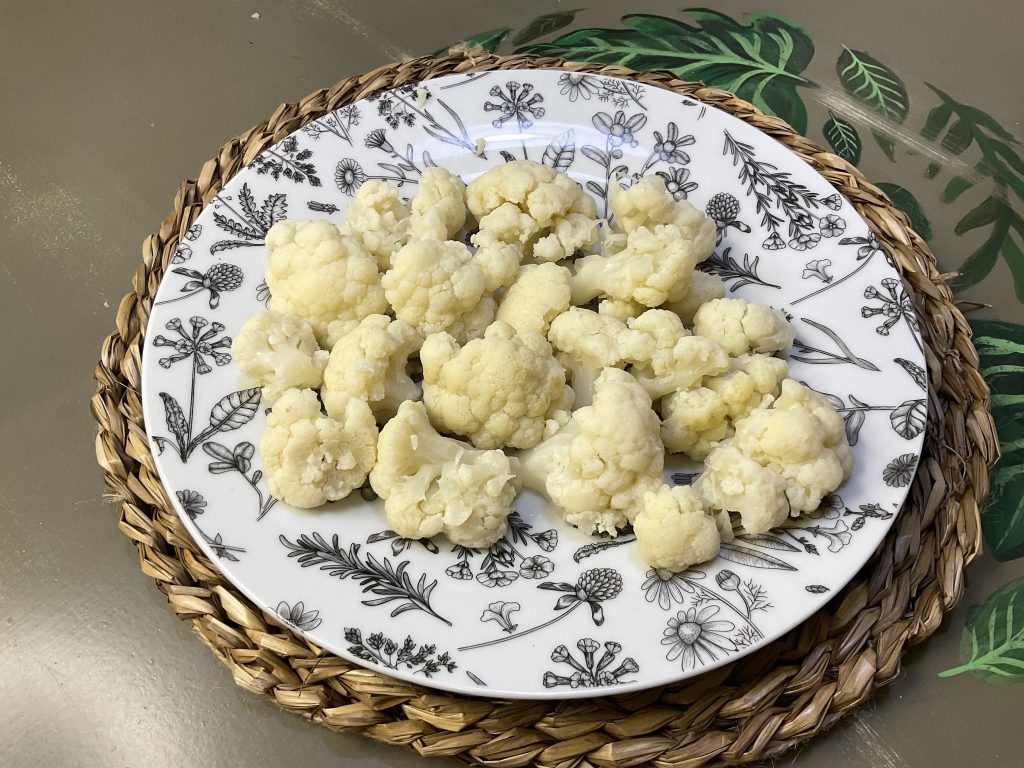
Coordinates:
[104,108]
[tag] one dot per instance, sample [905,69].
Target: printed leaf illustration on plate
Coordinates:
[992,647]
[761,62]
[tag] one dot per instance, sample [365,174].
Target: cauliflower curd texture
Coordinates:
[450,375]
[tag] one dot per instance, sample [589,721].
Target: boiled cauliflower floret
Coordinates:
[310,458]
[782,461]
[597,468]
[438,207]
[499,261]
[433,484]
[732,481]
[678,360]
[702,288]
[379,220]
[740,326]
[802,437]
[526,203]
[369,362]
[693,420]
[646,204]
[277,351]
[436,286]
[499,391]
[539,294]
[620,310]
[322,276]
[655,266]
[673,530]
[588,342]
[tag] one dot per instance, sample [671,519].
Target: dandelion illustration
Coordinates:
[831,225]
[591,671]
[818,269]
[518,101]
[677,182]
[192,502]
[667,587]
[377,139]
[578,85]
[297,616]
[349,176]
[693,636]
[900,471]
[218,279]
[501,612]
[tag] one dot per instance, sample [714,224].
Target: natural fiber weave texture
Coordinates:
[753,709]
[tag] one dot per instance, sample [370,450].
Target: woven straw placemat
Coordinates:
[755,708]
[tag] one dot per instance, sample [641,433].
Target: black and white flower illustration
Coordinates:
[337,123]
[191,502]
[894,305]
[239,459]
[194,504]
[244,220]
[377,648]
[297,616]
[724,209]
[400,165]
[350,176]
[579,85]
[515,101]
[818,268]
[392,105]
[867,248]
[831,225]
[286,160]
[505,561]
[590,669]
[218,279]
[677,182]
[618,132]
[694,636]
[501,613]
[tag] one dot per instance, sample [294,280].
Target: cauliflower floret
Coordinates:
[499,261]
[678,360]
[539,294]
[648,204]
[801,436]
[437,286]
[499,391]
[369,363]
[597,468]
[673,530]
[439,205]
[655,266]
[310,458]
[620,310]
[740,326]
[433,484]
[702,289]
[322,276]
[277,351]
[693,420]
[379,220]
[526,203]
[734,482]
[588,342]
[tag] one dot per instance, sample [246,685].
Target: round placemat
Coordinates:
[755,708]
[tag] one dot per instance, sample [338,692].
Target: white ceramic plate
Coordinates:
[548,612]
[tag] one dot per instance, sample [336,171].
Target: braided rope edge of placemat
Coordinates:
[753,709]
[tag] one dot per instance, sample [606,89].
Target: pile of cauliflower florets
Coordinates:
[554,351]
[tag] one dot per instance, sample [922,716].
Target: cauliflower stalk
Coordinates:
[277,351]
[739,326]
[369,362]
[597,468]
[674,531]
[503,390]
[433,484]
[310,458]
[538,295]
[322,276]
[782,460]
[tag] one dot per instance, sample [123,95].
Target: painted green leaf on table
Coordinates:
[843,138]
[489,41]
[544,25]
[992,647]
[761,61]
[1001,347]
[961,128]
[903,199]
[874,84]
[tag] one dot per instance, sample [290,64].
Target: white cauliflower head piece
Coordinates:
[588,343]
[322,276]
[439,205]
[734,482]
[276,352]
[436,286]
[693,421]
[369,362]
[538,295]
[740,326]
[433,484]
[378,220]
[674,531]
[310,458]
[597,468]
[499,391]
[701,289]
[678,360]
